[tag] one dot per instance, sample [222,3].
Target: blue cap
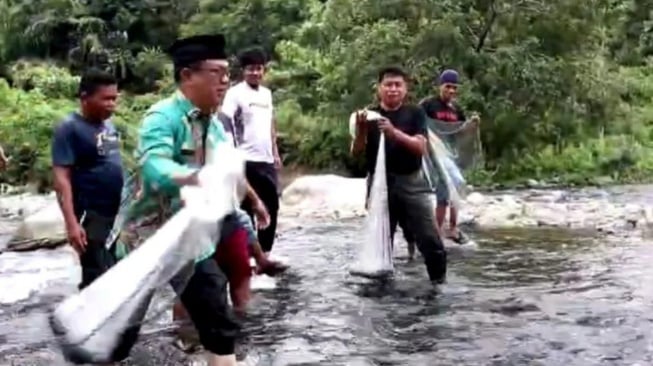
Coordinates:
[448,77]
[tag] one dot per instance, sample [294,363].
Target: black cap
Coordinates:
[187,51]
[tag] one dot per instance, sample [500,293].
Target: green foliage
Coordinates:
[28,120]
[50,80]
[564,88]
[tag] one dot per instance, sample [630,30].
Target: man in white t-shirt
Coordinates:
[249,105]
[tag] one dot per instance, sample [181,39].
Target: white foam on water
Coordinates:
[263,282]
[24,274]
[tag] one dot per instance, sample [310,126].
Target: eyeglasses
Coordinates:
[215,73]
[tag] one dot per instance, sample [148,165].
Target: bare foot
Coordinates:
[270,267]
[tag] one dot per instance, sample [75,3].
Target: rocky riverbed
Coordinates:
[558,278]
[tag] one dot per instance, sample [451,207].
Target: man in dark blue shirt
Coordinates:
[88,174]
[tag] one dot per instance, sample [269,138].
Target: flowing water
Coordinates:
[522,297]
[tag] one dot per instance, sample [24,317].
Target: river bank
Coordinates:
[610,210]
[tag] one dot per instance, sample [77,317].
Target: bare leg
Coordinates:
[455,234]
[240,294]
[453,220]
[215,360]
[188,339]
[440,215]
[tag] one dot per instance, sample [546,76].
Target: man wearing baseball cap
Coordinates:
[443,107]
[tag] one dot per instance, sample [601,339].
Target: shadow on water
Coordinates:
[522,297]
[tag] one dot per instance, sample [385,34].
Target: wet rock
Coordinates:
[324,196]
[532,183]
[47,223]
[336,197]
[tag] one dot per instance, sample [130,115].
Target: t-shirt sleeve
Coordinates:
[63,151]
[230,103]
[156,151]
[420,122]
[425,105]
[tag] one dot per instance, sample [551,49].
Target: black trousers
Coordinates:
[203,294]
[264,180]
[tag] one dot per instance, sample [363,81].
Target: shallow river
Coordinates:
[522,297]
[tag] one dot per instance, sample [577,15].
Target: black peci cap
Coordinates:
[187,51]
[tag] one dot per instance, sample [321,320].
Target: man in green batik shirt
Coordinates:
[177,136]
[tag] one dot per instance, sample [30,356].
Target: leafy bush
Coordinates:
[51,80]
[27,120]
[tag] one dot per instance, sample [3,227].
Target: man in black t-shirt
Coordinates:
[404,128]
[443,107]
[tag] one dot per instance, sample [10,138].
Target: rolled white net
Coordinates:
[88,325]
[375,256]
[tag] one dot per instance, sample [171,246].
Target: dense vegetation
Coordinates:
[563,86]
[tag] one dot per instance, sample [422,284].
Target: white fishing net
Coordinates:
[439,164]
[375,251]
[89,324]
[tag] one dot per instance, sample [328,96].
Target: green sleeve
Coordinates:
[156,150]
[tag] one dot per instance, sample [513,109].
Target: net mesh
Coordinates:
[375,251]
[454,147]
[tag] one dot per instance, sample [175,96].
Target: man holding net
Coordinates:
[176,138]
[447,120]
[404,130]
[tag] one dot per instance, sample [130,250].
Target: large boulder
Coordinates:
[46,223]
[324,196]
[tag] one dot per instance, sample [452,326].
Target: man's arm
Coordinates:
[230,103]
[253,197]
[63,158]
[415,138]
[156,149]
[360,137]
[358,144]
[462,116]
[64,193]
[275,148]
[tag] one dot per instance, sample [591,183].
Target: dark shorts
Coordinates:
[203,294]
[204,298]
[96,258]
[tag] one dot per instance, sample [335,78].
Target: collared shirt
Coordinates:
[174,139]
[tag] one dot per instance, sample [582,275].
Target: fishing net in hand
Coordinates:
[89,326]
[453,148]
[462,139]
[375,251]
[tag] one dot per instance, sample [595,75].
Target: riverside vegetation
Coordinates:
[564,87]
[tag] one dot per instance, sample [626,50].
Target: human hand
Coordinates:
[76,237]
[186,179]
[278,163]
[262,215]
[386,127]
[361,122]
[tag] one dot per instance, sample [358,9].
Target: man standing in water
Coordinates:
[249,105]
[177,136]
[88,174]
[88,178]
[404,128]
[443,107]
